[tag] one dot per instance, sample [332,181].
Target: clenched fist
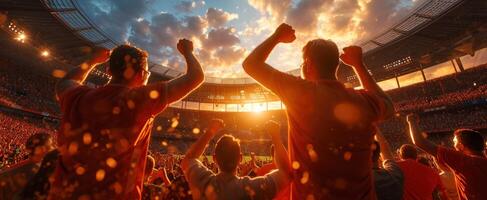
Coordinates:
[352,56]
[185,46]
[285,33]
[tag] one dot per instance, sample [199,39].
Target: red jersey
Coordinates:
[419,180]
[470,173]
[103,142]
[331,131]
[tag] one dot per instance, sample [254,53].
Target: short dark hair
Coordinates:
[471,139]
[227,153]
[408,151]
[375,151]
[36,140]
[123,54]
[324,53]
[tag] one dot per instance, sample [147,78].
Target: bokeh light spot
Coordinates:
[295,165]
[86,138]
[111,162]
[154,94]
[100,175]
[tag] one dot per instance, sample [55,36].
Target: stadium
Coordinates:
[431,62]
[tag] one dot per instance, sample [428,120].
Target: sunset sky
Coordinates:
[224,31]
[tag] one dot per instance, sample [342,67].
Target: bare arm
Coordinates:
[385,149]
[281,157]
[418,138]
[77,76]
[165,178]
[255,64]
[197,149]
[180,87]
[353,57]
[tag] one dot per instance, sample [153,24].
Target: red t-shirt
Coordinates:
[470,173]
[419,180]
[261,171]
[103,141]
[331,131]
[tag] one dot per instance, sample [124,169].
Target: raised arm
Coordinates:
[77,76]
[180,87]
[255,64]
[417,136]
[385,149]
[352,56]
[197,149]
[281,157]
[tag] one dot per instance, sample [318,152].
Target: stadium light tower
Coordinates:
[21,37]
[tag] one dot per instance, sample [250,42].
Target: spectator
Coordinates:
[38,186]
[388,180]
[150,191]
[226,184]
[330,126]
[467,161]
[111,124]
[420,181]
[14,179]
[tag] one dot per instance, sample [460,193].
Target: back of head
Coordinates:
[324,55]
[37,141]
[470,139]
[376,152]
[227,153]
[408,151]
[126,61]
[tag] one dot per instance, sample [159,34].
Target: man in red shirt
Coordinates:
[330,127]
[467,161]
[105,132]
[420,181]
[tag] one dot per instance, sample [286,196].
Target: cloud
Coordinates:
[215,47]
[275,10]
[217,17]
[221,37]
[220,47]
[304,16]
[188,6]
[124,11]
[185,6]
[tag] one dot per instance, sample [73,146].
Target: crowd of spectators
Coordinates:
[14,132]
[27,88]
[454,89]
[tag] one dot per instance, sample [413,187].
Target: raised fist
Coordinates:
[285,33]
[185,46]
[352,56]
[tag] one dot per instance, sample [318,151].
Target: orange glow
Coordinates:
[45,53]
[21,37]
